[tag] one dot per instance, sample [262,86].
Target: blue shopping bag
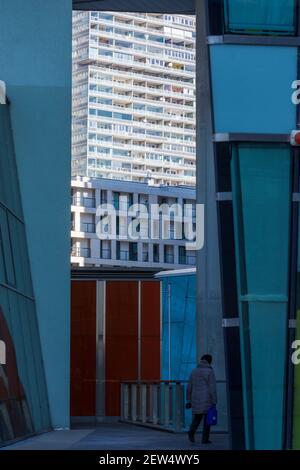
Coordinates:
[212,416]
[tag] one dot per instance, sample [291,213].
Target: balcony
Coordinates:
[89,202]
[79,252]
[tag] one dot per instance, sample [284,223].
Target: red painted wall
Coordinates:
[121,340]
[150,340]
[83,348]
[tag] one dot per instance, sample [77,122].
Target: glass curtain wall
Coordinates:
[261,190]
[23,395]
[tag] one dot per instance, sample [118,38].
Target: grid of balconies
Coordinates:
[140,75]
[88,248]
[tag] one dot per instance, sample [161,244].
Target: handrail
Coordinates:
[158,403]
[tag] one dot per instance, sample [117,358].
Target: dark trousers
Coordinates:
[195,424]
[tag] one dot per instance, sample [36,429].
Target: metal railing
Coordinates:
[158,404]
[81,252]
[83,201]
[161,405]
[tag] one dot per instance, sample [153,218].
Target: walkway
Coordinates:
[117,436]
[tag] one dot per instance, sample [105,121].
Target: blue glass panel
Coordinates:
[251,88]
[260,16]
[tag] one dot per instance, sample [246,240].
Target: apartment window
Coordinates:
[121,153]
[133,251]
[139,35]
[96,99]
[127,117]
[105,52]
[103,196]
[101,112]
[263,17]
[105,251]
[105,16]
[182,255]
[156,253]
[169,254]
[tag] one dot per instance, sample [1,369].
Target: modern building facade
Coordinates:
[162,237]
[35,64]
[24,407]
[134,97]
[248,178]
[249,182]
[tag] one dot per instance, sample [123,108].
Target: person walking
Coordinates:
[201,395]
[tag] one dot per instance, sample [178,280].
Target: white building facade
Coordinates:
[134,97]
[162,242]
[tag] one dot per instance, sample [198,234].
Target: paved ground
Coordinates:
[117,436]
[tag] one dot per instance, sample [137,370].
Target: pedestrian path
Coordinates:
[117,436]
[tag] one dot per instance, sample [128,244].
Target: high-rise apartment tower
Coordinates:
[134,97]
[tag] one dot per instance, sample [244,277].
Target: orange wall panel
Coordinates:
[121,340]
[150,330]
[83,348]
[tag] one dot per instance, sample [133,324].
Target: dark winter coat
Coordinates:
[201,390]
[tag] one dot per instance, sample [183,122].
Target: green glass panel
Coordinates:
[9,187]
[24,406]
[21,262]
[7,248]
[262,199]
[275,17]
[296,410]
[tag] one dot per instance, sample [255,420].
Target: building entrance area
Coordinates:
[115,337]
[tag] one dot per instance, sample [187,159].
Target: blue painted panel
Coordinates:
[183,326]
[251,87]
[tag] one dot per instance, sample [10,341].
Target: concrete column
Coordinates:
[140,251]
[98,202]
[109,196]
[77,218]
[176,254]
[150,252]
[209,305]
[114,249]
[161,253]
[135,198]
[95,248]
